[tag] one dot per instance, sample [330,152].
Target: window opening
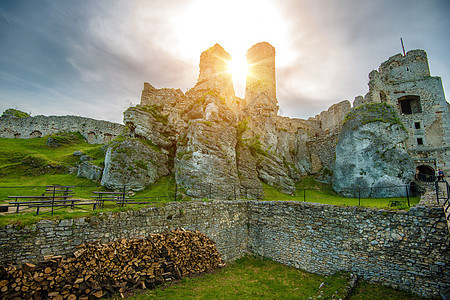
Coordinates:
[419,141]
[409,104]
[417,125]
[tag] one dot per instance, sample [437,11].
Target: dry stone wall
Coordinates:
[94,131]
[408,250]
[404,249]
[224,222]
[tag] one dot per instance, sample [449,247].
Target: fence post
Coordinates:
[53,198]
[176,187]
[437,191]
[304,195]
[123,196]
[407,194]
[210,188]
[359,196]
[234,190]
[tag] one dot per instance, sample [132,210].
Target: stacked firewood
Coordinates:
[101,270]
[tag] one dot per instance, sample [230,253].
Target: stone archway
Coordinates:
[425,173]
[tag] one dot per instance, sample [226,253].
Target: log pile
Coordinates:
[100,270]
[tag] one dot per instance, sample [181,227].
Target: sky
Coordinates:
[91,58]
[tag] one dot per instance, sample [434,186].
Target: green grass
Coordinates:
[29,218]
[28,165]
[259,278]
[247,278]
[365,290]
[310,190]
[163,190]
[25,163]
[32,157]
[35,185]
[15,113]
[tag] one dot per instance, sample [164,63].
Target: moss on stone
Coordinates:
[155,111]
[255,147]
[64,138]
[11,112]
[373,112]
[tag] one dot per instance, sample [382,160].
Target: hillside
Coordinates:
[32,162]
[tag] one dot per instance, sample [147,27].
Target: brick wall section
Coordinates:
[409,250]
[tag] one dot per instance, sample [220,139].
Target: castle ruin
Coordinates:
[210,137]
[218,138]
[405,83]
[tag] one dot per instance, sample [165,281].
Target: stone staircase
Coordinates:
[443,198]
[439,199]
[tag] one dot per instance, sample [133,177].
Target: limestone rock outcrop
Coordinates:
[218,145]
[150,123]
[370,154]
[90,171]
[205,164]
[134,164]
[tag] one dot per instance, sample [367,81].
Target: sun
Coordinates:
[238,68]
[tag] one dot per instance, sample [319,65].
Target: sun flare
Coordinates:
[238,68]
[201,24]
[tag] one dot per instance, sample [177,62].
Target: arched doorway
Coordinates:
[425,173]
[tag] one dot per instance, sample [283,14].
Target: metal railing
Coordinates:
[231,191]
[443,193]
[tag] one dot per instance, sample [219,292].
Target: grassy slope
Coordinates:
[27,165]
[30,162]
[259,278]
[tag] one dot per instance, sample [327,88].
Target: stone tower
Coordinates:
[214,72]
[260,90]
[405,83]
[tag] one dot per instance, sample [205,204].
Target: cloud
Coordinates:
[91,58]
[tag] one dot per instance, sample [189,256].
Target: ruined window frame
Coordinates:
[409,104]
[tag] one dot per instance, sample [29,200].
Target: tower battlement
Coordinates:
[412,66]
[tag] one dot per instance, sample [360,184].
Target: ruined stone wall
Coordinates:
[404,249]
[332,119]
[412,66]
[260,87]
[95,131]
[159,97]
[215,75]
[224,222]
[407,79]
[322,149]
[408,250]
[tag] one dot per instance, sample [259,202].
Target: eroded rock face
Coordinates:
[205,164]
[89,171]
[370,154]
[149,123]
[133,163]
